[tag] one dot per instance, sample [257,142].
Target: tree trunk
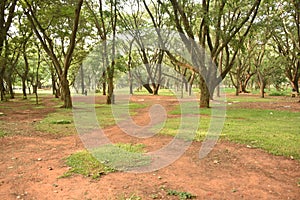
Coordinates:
[65,93]
[148,88]
[156,88]
[110,95]
[262,84]
[262,90]
[10,88]
[24,88]
[204,95]
[295,84]
[104,83]
[82,80]
[2,90]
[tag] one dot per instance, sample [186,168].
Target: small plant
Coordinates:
[181,195]
[62,121]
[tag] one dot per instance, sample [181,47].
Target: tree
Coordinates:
[7,8]
[43,33]
[216,25]
[108,52]
[286,35]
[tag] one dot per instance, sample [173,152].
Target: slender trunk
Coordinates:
[24,88]
[191,83]
[104,83]
[2,90]
[82,80]
[10,88]
[262,84]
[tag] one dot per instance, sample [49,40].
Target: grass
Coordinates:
[2,133]
[85,164]
[62,122]
[105,159]
[122,156]
[277,132]
[59,123]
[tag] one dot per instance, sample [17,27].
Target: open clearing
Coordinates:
[32,161]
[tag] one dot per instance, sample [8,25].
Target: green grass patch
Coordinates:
[122,156]
[85,164]
[277,132]
[106,159]
[59,123]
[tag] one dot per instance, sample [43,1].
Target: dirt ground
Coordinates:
[32,161]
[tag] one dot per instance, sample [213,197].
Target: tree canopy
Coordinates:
[243,42]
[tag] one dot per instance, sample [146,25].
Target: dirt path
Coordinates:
[31,162]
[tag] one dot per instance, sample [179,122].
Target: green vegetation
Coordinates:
[84,163]
[122,156]
[2,133]
[181,195]
[59,123]
[277,132]
[106,159]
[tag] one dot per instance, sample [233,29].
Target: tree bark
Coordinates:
[204,94]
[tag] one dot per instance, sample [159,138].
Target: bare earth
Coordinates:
[31,162]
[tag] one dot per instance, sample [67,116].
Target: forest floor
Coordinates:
[31,163]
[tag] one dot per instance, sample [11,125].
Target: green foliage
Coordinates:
[181,195]
[278,93]
[86,164]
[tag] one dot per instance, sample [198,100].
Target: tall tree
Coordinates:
[7,10]
[106,23]
[214,25]
[286,34]
[42,32]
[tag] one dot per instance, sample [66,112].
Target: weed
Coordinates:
[181,195]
